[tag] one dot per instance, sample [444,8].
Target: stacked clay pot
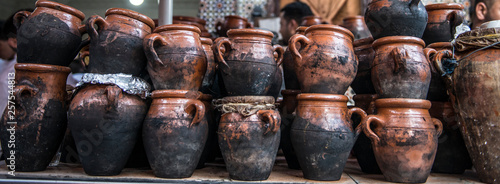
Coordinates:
[356,24]
[200,23]
[231,22]
[442,20]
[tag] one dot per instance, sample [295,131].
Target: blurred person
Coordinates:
[7,62]
[290,17]
[484,11]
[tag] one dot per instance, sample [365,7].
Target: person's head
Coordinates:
[290,18]
[6,52]
[484,11]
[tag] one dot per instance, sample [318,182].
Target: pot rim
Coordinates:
[236,16]
[322,97]
[362,42]
[440,45]
[132,14]
[354,17]
[250,31]
[397,39]
[172,93]
[365,96]
[42,68]
[205,97]
[301,30]
[290,92]
[402,103]
[190,19]
[183,27]
[61,7]
[447,6]
[311,17]
[330,27]
[206,41]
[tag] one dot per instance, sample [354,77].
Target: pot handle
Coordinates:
[456,18]
[20,17]
[436,61]
[84,52]
[272,119]
[429,52]
[303,40]
[366,127]
[361,113]
[438,125]
[113,94]
[199,109]
[95,19]
[149,43]
[20,91]
[278,54]
[399,55]
[219,42]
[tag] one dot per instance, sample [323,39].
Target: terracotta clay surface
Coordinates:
[404,138]
[231,22]
[195,21]
[356,24]
[362,83]
[443,18]
[310,20]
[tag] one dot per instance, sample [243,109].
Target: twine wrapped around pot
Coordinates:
[477,39]
[245,105]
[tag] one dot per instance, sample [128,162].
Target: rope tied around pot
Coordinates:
[245,105]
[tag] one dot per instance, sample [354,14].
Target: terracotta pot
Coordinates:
[404,138]
[362,83]
[231,22]
[325,62]
[437,87]
[362,149]
[287,113]
[208,79]
[249,143]
[443,18]
[396,18]
[452,156]
[310,21]
[174,133]
[208,154]
[322,135]
[401,67]
[179,62]
[105,123]
[35,117]
[291,81]
[356,24]
[117,45]
[250,64]
[200,23]
[52,34]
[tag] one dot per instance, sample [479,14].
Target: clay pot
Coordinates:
[437,87]
[250,64]
[396,18]
[443,18]
[200,23]
[231,22]
[52,34]
[287,113]
[322,135]
[362,83]
[362,149]
[401,68]
[356,24]
[117,45]
[208,79]
[452,156]
[291,81]
[249,143]
[35,117]
[310,21]
[179,62]
[105,122]
[208,150]
[404,138]
[174,133]
[325,62]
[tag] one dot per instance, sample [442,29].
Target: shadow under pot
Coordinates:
[401,67]
[362,83]
[249,137]
[231,22]
[116,46]
[249,64]
[51,34]
[443,18]
[404,138]
[322,135]
[105,123]
[35,116]
[178,62]
[174,133]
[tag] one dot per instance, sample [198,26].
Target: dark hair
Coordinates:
[2,36]
[9,30]
[296,11]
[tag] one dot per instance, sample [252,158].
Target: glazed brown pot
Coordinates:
[116,46]
[52,34]
[179,61]
[231,22]
[437,87]
[400,68]
[287,113]
[250,64]
[362,83]
[325,62]
[208,79]
[452,156]
[443,18]
[356,24]
[34,121]
[291,81]
[105,123]
[404,138]
[310,21]
[322,134]
[174,133]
